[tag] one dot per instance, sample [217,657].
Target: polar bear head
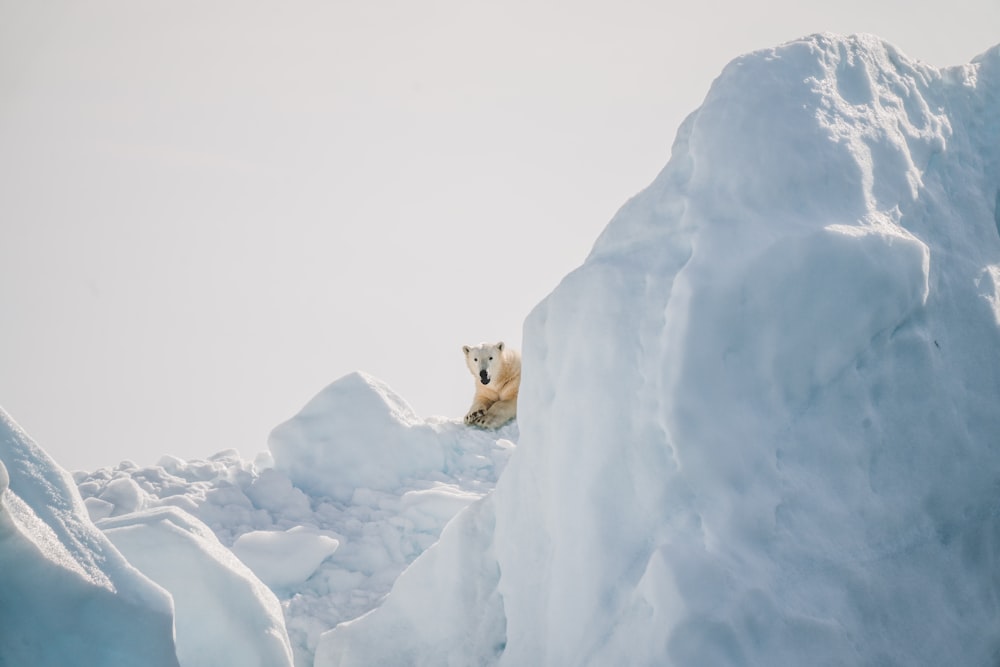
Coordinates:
[484,360]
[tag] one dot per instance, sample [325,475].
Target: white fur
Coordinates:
[495,402]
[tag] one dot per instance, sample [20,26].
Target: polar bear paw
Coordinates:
[490,420]
[475,417]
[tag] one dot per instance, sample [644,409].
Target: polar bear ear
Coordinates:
[500,346]
[465,349]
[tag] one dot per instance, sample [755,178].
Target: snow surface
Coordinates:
[759,426]
[326,531]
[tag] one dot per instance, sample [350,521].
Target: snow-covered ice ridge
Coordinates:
[352,490]
[760,425]
[67,596]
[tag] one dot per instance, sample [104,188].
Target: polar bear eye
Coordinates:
[475,358]
[491,358]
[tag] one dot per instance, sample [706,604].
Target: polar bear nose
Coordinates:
[484,376]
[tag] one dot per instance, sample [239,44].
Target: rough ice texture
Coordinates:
[67,597]
[760,424]
[358,488]
[445,605]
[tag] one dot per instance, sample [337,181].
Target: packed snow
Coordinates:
[760,425]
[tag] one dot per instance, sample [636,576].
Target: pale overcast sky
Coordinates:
[212,209]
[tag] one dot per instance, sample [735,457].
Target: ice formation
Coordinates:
[69,598]
[327,532]
[223,614]
[760,424]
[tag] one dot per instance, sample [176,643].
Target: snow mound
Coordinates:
[68,595]
[760,423]
[224,615]
[356,433]
[329,545]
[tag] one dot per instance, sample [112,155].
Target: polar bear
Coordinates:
[497,370]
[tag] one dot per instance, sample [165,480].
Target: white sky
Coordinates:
[211,209]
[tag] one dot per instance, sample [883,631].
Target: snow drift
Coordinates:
[761,424]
